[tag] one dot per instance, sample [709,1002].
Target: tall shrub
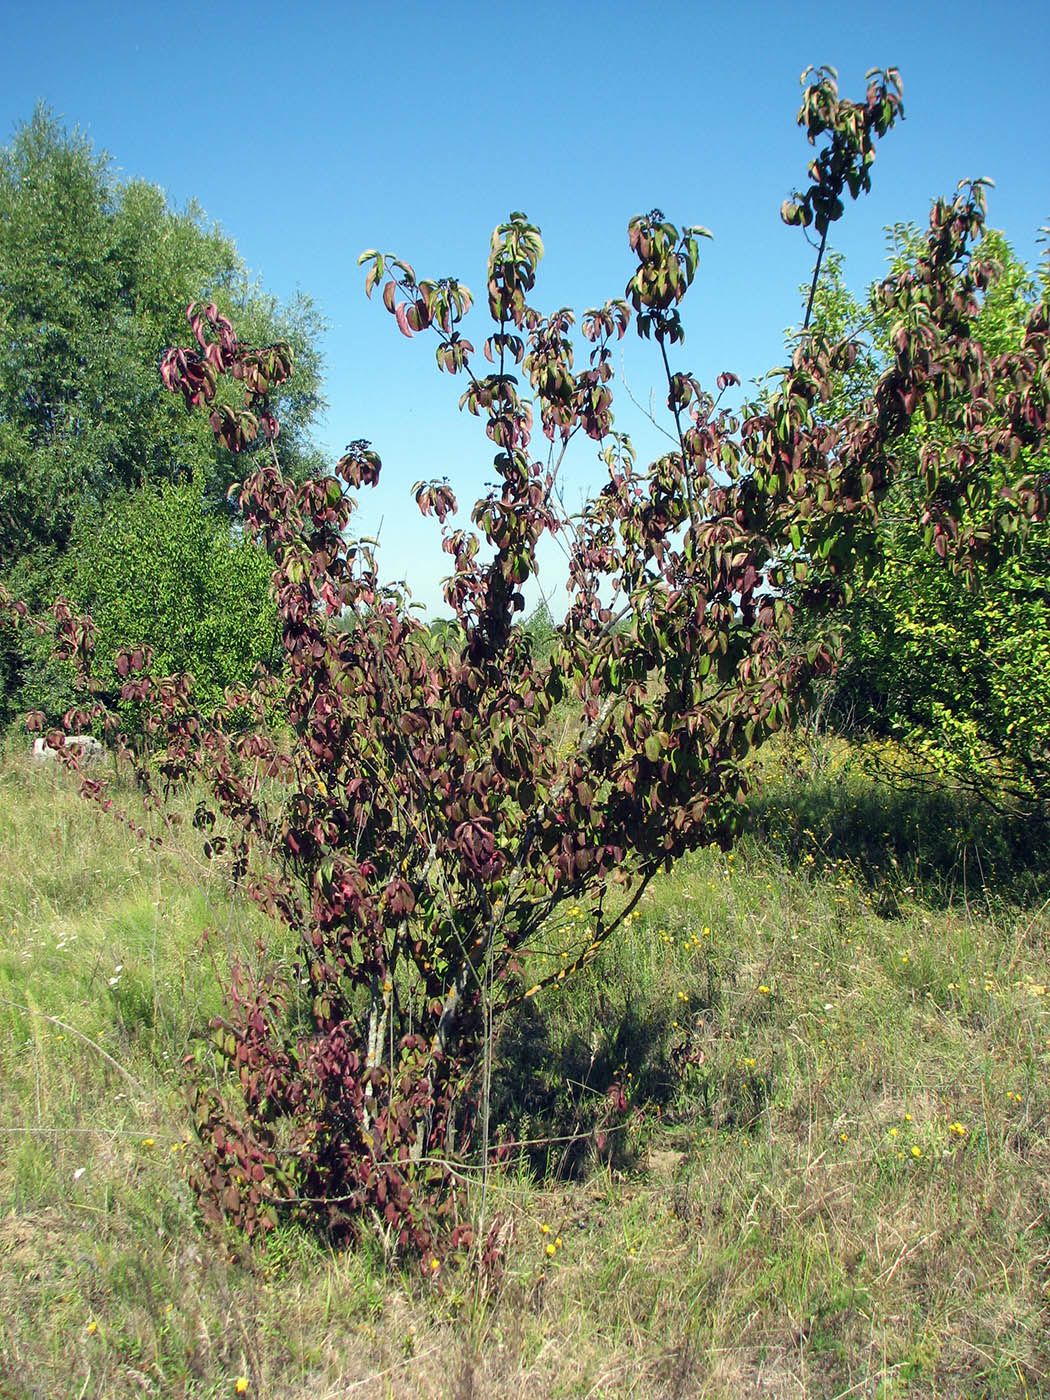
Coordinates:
[427,819]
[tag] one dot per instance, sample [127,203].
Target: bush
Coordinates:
[163,572]
[417,821]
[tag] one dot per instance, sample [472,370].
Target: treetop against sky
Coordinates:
[418,128]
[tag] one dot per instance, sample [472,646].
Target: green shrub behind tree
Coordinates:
[163,571]
[953,667]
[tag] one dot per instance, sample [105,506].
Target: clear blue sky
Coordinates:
[312,132]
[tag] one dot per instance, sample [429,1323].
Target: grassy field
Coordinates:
[833,1178]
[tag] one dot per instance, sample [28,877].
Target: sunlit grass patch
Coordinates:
[801,1145]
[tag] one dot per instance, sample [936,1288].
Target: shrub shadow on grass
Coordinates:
[567,1098]
[577,1084]
[943,847]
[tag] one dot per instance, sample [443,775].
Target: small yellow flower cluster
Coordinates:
[894,1132]
[765,991]
[1014,1098]
[957,1129]
[240,1385]
[552,1246]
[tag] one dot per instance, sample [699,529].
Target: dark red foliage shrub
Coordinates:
[410,811]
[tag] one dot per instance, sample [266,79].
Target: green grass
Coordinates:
[784,1210]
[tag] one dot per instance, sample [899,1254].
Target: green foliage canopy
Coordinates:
[168,575]
[94,276]
[91,271]
[954,667]
[161,573]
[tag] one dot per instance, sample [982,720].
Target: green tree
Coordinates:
[93,273]
[161,573]
[166,574]
[953,667]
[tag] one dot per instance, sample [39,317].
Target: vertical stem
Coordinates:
[681,435]
[380,1017]
[486,1090]
[377,1018]
[816,275]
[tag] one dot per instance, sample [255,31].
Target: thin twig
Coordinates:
[31,1011]
[93,1132]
